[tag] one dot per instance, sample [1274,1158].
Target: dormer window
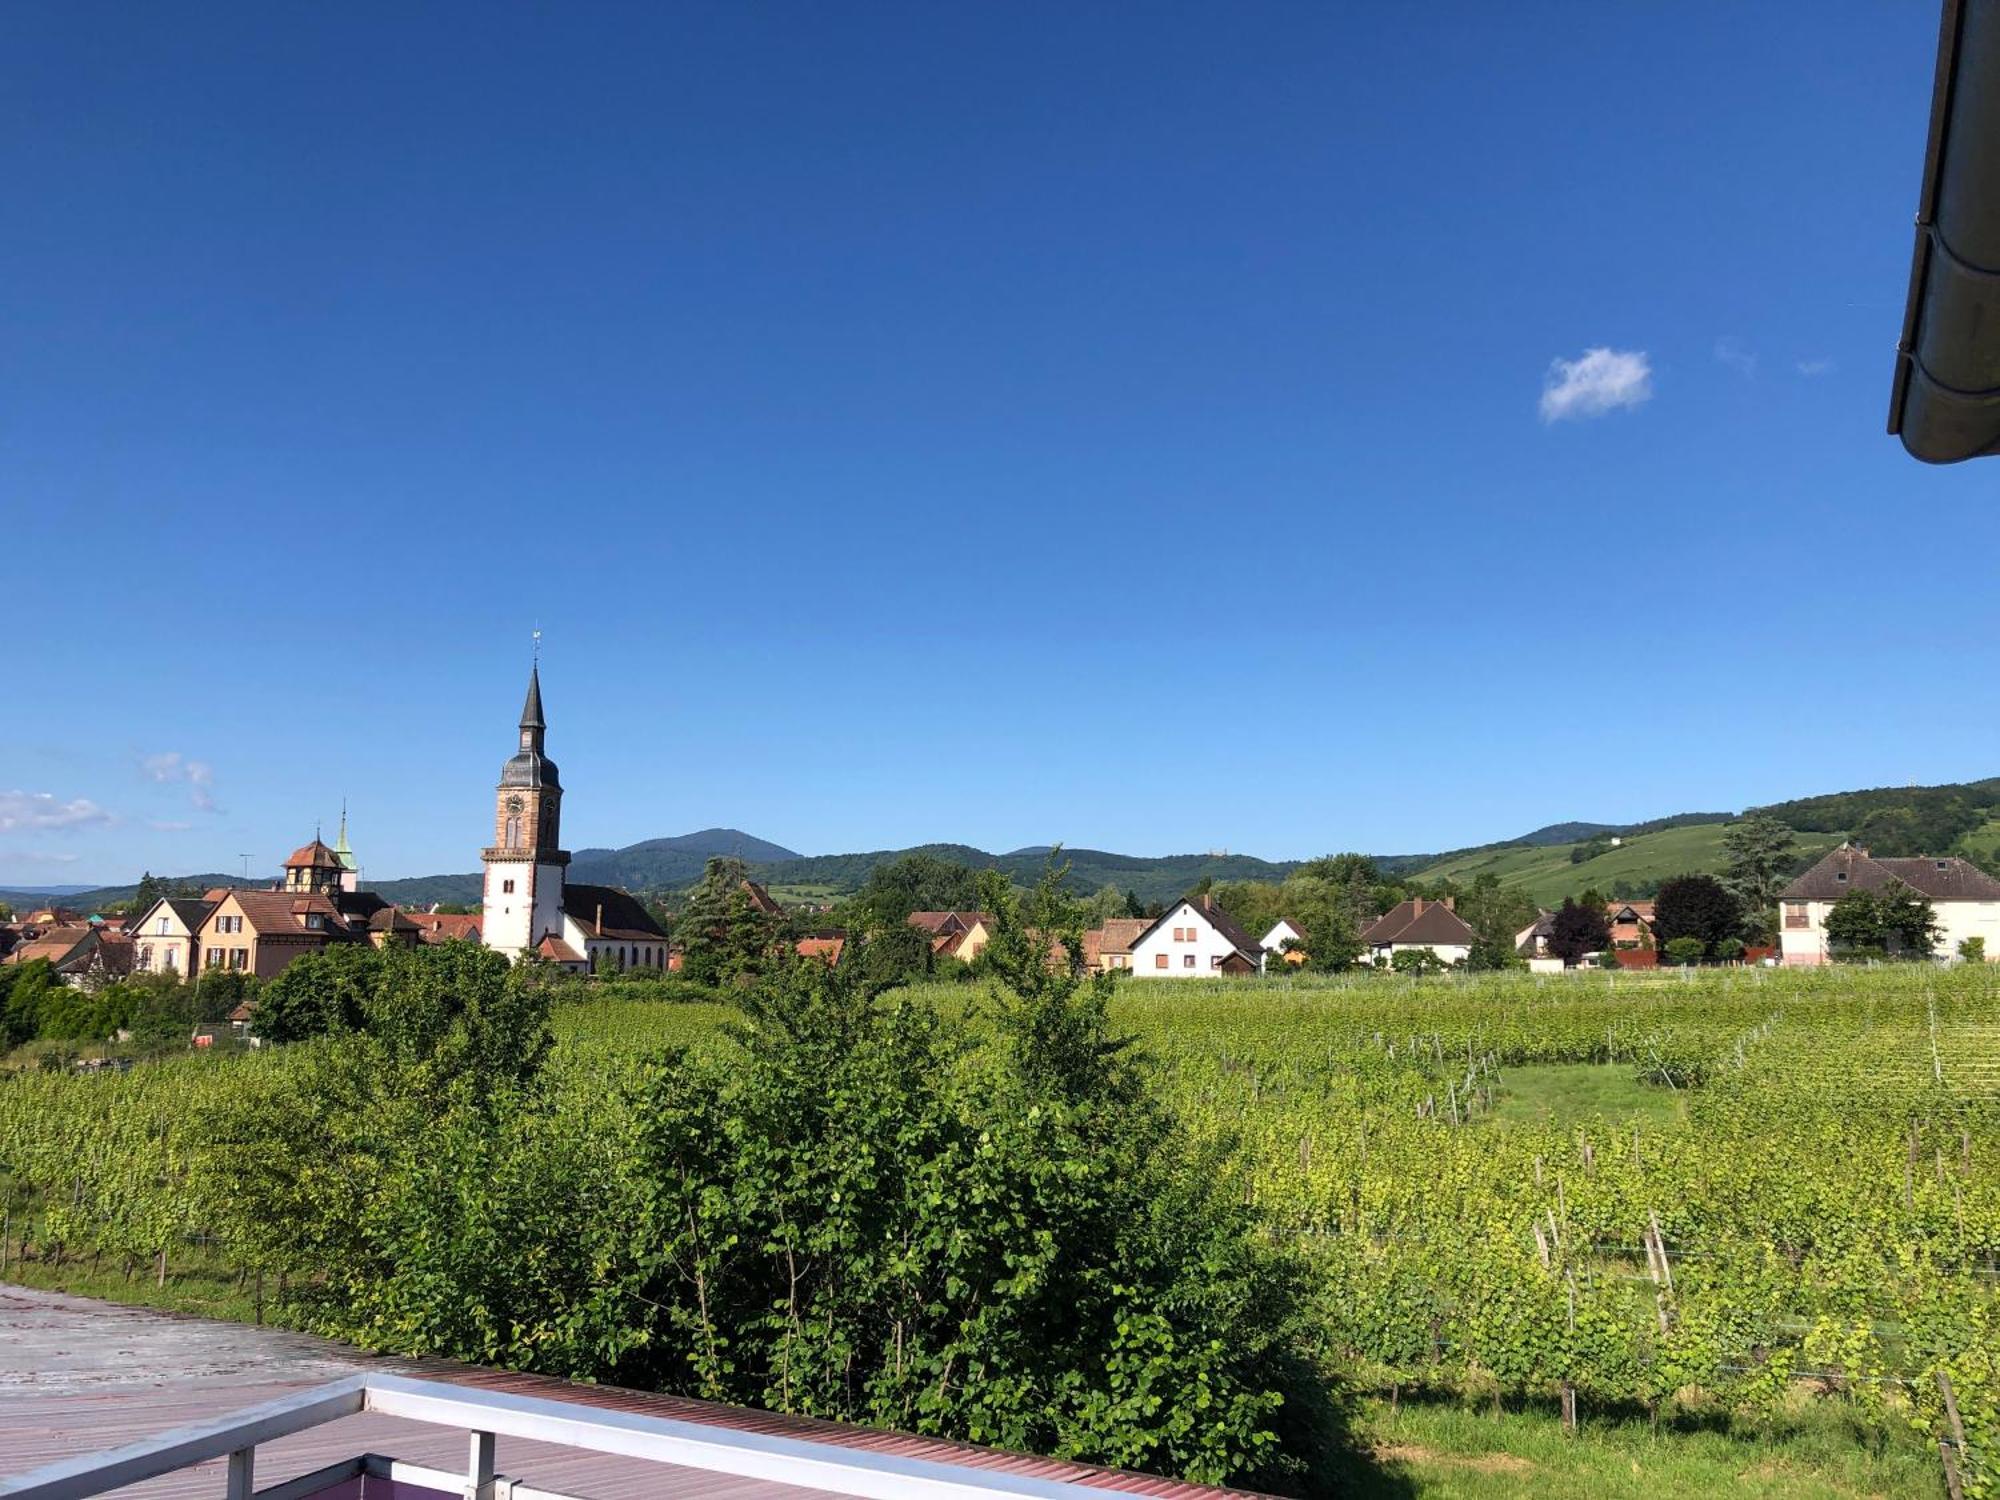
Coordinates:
[313,920]
[1841,876]
[1944,864]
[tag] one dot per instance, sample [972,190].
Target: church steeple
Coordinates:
[524,863]
[531,711]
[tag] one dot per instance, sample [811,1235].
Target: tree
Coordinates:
[1685,950]
[324,993]
[1495,916]
[25,990]
[1695,906]
[1578,929]
[1417,962]
[1972,950]
[723,938]
[1854,926]
[150,889]
[915,882]
[875,1210]
[1760,857]
[1908,921]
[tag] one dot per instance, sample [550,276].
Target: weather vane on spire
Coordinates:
[538,645]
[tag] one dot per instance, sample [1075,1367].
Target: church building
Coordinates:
[530,904]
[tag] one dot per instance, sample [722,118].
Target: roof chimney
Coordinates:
[1416,906]
[1451,903]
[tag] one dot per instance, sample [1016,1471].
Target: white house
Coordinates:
[1195,938]
[1964,899]
[1415,924]
[1285,931]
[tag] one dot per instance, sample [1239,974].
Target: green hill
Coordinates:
[1634,868]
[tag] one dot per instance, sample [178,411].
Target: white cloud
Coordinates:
[35,857]
[1811,367]
[1734,353]
[41,810]
[1600,381]
[172,766]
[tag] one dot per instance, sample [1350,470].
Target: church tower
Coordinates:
[525,864]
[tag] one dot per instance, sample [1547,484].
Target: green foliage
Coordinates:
[1972,950]
[723,938]
[1495,915]
[1894,921]
[1417,962]
[915,882]
[1761,856]
[26,990]
[1683,951]
[1824,1169]
[322,993]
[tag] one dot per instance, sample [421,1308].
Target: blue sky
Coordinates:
[1127,426]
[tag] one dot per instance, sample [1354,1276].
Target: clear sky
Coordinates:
[1134,426]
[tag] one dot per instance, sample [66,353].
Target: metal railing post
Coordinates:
[242,1474]
[479,1475]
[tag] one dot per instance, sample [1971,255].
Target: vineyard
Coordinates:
[1798,1200]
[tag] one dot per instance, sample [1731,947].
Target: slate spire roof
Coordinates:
[531,711]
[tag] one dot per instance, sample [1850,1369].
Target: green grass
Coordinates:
[1546,875]
[1448,1450]
[197,1283]
[1569,1093]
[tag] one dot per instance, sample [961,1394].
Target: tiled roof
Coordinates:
[1120,933]
[1418,924]
[556,950]
[315,856]
[828,947]
[270,912]
[56,946]
[761,899]
[606,911]
[442,926]
[1850,868]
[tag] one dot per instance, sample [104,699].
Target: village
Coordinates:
[533,912]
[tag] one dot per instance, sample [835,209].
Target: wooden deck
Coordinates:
[79,1376]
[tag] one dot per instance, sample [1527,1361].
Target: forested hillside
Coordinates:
[1546,864]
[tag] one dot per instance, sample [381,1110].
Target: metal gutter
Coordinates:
[1945,400]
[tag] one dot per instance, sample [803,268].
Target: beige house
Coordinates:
[1965,901]
[1109,947]
[166,936]
[260,932]
[962,935]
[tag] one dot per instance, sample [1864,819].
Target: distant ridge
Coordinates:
[1957,817]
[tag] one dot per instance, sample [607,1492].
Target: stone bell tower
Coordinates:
[525,863]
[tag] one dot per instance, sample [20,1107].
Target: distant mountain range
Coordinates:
[1960,817]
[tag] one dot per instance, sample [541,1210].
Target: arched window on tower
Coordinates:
[513,833]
